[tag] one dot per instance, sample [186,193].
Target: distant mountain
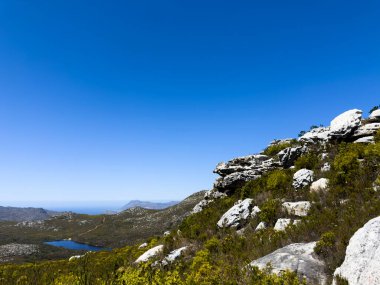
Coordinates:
[148,205]
[25,214]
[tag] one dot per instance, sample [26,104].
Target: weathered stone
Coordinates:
[261,226]
[297,257]
[316,135]
[289,155]
[238,215]
[300,209]
[302,178]
[173,255]
[366,130]
[319,185]
[361,265]
[149,254]
[375,115]
[282,224]
[235,180]
[345,124]
[240,164]
[210,196]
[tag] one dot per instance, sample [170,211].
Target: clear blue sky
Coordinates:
[118,100]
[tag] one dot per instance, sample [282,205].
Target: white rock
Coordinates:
[154,251]
[361,265]
[75,257]
[282,224]
[143,245]
[261,226]
[297,257]
[326,167]
[167,233]
[319,185]
[324,155]
[345,124]
[317,134]
[173,255]
[300,209]
[375,115]
[238,214]
[302,178]
[369,139]
[289,155]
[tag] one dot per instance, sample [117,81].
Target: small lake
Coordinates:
[69,244]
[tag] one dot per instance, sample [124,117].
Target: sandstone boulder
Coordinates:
[297,257]
[302,178]
[300,209]
[237,216]
[361,265]
[319,185]
[345,124]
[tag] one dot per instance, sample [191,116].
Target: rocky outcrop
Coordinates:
[75,257]
[362,262]
[319,185]
[209,197]
[237,171]
[345,124]
[326,167]
[289,155]
[261,226]
[238,215]
[300,209]
[321,134]
[149,254]
[11,250]
[366,130]
[302,178]
[297,257]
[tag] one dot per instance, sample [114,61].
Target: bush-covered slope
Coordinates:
[274,182]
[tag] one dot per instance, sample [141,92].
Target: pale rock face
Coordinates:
[143,245]
[154,251]
[300,209]
[317,134]
[282,224]
[302,178]
[375,115]
[261,226]
[172,256]
[361,265]
[289,155]
[238,214]
[345,124]
[319,185]
[167,233]
[297,257]
[369,139]
[366,130]
[210,196]
[326,167]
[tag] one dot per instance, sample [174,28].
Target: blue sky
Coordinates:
[119,100]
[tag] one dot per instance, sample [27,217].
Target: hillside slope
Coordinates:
[303,211]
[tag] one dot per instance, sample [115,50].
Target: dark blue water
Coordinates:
[69,244]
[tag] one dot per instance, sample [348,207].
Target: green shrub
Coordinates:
[374,109]
[326,244]
[278,181]
[270,211]
[276,148]
[309,161]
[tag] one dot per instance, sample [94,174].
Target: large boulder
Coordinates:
[319,185]
[300,209]
[370,139]
[240,164]
[149,254]
[289,155]
[173,255]
[345,124]
[302,178]
[238,215]
[235,180]
[297,257]
[361,265]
